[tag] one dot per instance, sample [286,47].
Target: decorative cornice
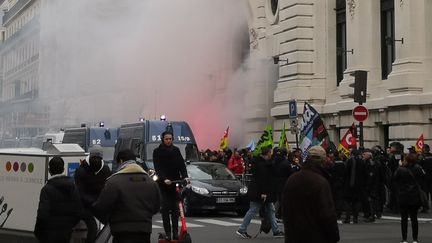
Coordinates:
[254,38]
[351,7]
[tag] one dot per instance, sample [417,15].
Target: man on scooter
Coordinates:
[169,166]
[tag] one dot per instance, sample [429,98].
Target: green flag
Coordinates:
[283,141]
[265,140]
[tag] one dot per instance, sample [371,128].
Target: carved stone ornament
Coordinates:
[351,7]
[401,3]
[254,38]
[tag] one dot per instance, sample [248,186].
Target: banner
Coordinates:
[349,140]
[224,140]
[283,141]
[251,145]
[312,130]
[419,144]
[265,140]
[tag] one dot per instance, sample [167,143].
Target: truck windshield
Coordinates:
[188,151]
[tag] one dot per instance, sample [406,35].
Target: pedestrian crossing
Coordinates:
[206,222]
[235,222]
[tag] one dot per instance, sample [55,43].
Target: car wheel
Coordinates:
[186,207]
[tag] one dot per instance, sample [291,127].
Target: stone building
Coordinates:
[320,42]
[20,114]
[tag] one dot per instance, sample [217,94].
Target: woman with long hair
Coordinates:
[408,177]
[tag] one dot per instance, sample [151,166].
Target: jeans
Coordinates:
[254,208]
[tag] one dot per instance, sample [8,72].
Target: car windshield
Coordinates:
[188,151]
[209,172]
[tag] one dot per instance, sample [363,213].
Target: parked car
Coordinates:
[214,187]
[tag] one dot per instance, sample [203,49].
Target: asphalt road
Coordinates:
[220,228]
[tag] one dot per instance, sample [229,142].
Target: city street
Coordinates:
[221,228]
[217,228]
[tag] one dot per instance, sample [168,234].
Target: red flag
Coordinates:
[349,140]
[419,144]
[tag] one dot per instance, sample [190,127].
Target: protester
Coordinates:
[308,210]
[169,166]
[236,163]
[90,179]
[128,201]
[426,164]
[60,207]
[261,192]
[281,171]
[355,185]
[408,177]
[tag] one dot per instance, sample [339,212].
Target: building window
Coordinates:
[341,46]
[274,6]
[387,37]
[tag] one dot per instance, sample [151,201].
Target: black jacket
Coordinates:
[128,201]
[262,181]
[90,182]
[59,210]
[169,164]
[281,171]
[308,209]
[408,193]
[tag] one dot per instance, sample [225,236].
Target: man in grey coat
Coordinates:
[128,201]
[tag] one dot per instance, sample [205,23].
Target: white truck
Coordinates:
[23,173]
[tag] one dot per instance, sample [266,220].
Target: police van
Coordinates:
[143,137]
[87,137]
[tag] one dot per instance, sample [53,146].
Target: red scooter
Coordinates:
[184,236]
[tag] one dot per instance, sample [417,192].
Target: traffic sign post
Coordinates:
[293,118]
[292,109]
[360,114]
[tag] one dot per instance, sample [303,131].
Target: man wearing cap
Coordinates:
[307,205]
[90,178]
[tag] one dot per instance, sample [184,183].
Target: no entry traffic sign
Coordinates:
[360,113]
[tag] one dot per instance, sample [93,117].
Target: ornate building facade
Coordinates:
[20,114]
[319,43]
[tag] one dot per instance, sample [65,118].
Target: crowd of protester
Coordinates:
[367,183]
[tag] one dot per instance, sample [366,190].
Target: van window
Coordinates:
[189,152]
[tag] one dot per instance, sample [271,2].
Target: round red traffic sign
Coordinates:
[360,113]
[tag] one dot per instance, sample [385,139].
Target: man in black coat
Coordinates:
[60,207]
[261,192]
[426,163]
[307,205]
[169,166]
[90,178]
[128,201]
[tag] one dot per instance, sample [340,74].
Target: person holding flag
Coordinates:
[223,145]
[312,130]
[283,141]
[265,141]
[349,141]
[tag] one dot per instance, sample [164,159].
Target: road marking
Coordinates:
[253,221]
[191,225]
[217,222]
[398,218]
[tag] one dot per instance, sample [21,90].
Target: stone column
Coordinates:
[407,76]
